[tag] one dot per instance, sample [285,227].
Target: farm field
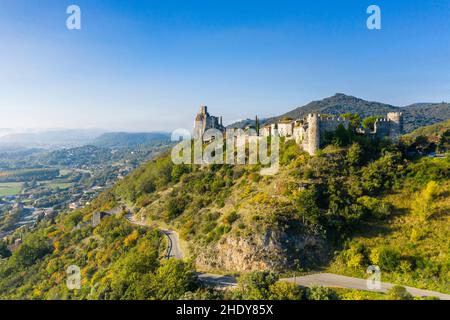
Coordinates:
[61,185]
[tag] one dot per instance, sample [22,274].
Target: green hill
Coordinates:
[432,132]
[354,204]
[415,116]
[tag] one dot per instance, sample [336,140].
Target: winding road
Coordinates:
[338,281]
[318,279]
[173,249]
[173,242]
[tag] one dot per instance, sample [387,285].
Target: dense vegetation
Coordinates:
[117,261]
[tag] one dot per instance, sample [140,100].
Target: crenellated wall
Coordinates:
[309,131]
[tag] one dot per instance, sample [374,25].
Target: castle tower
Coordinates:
[313,133]
[204,121]
[201,122]
[395,125]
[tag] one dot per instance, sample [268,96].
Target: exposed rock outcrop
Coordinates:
[271,251]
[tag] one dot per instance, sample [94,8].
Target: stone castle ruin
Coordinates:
[308,132]
[204,121]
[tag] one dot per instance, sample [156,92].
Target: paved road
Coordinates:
[338,281]
[173,248]
[319,279]
[217,280]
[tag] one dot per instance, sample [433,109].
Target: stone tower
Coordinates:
[205,121]
[313,136]
[395,125]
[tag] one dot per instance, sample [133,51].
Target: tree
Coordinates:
[369,122]
[307,207]
[257,125]
[444,142]
[178,171]
[175,207]
[256,285]
[388,259]
[424,204]
[33,249]
[354,118]
[283,290]
[342,136]
[4,251]
[422,144]
[173,279]
[354,154]
[355,256]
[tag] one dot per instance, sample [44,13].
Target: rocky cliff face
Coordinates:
[271,251]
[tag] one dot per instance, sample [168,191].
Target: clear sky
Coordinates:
[148,65]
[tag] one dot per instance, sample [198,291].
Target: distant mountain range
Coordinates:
[49,138]
[55,139]
[126,139]
[415,115]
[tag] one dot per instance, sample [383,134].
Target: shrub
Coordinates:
[399,293]
[355,256]
[283,290]
[231,217]
[322,293]
[389,259]
[374,207]
[173,279]
[72,220]
[175,207]
[32,250]
[256,285]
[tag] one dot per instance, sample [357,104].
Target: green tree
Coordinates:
[369,122]
[178,171]
[256,285]
[173,279]
[33,249]
[424,204]
[283,290]
[4,251]
[354,154]
[342,136]
[388,259]
[175,207]
[444,142]
[354,118]
[307,206]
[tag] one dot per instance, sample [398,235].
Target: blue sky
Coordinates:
[149,65]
